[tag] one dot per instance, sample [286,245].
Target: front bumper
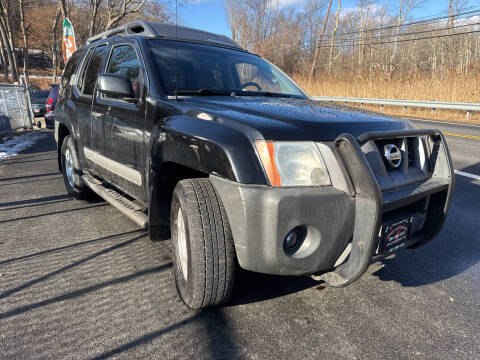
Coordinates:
[261,216]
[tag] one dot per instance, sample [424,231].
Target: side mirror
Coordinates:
[115,86]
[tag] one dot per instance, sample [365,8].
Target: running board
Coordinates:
[117,200]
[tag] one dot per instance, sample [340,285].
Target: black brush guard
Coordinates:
[371,203]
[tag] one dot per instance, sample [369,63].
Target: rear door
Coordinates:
[121,145]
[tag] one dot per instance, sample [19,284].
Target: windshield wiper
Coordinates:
[264,93]
[205,92]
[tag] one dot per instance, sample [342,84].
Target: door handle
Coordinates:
[97,115]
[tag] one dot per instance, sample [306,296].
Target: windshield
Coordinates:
[187,68]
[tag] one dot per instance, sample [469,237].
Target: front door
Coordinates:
[121,142]
[82,94]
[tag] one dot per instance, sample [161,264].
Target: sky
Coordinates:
[209,15]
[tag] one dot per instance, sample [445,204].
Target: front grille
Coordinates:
[413,167]
[411,151]
[381,149]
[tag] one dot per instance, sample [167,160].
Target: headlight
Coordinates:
[293,163]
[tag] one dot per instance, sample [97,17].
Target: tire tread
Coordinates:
[208,218]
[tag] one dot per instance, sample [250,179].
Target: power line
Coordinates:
[357,42]
[399,41]
[417,22]
[358,32]
[407,33]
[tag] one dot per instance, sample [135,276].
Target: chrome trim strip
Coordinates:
[115,167]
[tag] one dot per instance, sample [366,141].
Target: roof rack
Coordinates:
[169,31]
[132,28]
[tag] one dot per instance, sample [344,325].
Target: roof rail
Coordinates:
[166,31]
[132,28]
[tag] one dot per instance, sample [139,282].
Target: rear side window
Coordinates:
[92,70]
[124,62]
[81,77]
[69,70]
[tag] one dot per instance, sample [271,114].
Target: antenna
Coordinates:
[176,49]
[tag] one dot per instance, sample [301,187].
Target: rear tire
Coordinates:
[203,249]
[72,171]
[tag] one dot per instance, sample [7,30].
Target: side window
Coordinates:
[92,70]
[69,70]
[124,62]
[81,76]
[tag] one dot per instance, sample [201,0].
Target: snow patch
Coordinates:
[13,146]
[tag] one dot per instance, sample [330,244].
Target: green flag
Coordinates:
[68,40]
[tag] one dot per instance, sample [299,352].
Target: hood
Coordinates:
[292,118]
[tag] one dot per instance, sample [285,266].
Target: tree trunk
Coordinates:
[93,19]
[337,21]
[317,46]
[54,44]
[25,39]
[9,15]
[4,59]
[8,49]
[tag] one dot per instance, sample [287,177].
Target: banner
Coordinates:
[68,40]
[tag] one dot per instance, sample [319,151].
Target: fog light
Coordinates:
[293,240]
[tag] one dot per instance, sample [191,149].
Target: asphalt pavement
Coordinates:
[78,280]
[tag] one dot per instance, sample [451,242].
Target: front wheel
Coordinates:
[203,250]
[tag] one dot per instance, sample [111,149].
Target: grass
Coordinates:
[452,87]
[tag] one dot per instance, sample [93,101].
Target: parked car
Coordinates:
[38,100]
[50,106]
[50,119]
[184,129]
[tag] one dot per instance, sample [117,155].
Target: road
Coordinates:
[79,280]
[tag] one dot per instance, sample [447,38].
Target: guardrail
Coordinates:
[432,105]
[15,108]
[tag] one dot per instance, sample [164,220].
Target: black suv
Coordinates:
[195,138]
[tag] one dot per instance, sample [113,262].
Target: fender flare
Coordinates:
[205,146]
[183,147]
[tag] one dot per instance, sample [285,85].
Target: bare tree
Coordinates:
[25,29]
[94,5]
[6,16]
[117,10]
[405,6]
[318,42]
[334,32]
[56,20]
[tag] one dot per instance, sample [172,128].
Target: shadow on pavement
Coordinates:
[147,338]
[214,326]
[29,161]
[36,200]
[253,287]
[61,248]
[52,213]
[84,291]
[67,267]
[32,181]
[33,205]
[29,176]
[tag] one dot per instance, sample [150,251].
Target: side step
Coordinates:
[117,200]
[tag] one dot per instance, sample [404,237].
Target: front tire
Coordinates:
[203,249]
[72,171]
